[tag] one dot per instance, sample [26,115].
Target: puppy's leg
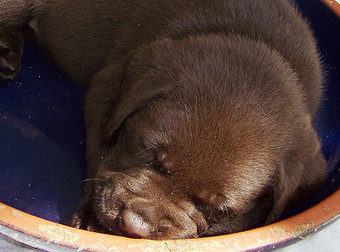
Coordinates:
[84,217]
[301,174]
[100,97]
[11,47]
[314,176]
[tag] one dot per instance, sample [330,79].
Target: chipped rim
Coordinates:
[275,235]
[333,5]
[272,236]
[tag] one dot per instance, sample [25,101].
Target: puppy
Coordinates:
[198,113]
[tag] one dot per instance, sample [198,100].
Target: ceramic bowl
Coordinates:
[42,160]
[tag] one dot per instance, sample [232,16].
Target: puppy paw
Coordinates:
[11,47]
[84,218]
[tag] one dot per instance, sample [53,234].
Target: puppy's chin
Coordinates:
[134,204]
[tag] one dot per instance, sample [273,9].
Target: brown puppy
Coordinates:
[198,113]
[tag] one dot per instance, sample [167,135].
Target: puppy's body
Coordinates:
[198,113]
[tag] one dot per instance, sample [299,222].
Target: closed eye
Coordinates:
[214,214]
[158,167]
[157,160]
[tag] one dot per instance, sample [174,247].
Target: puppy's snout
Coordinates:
[133,225]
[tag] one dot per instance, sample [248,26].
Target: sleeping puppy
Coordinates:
[198,113]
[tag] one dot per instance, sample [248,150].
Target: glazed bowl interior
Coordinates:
[42,150]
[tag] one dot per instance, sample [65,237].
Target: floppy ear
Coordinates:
[285,184]
[295,182]
[141,83]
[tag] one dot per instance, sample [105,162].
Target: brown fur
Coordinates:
[198,113]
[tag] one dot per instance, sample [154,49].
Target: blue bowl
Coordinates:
[42,160]
[42,150]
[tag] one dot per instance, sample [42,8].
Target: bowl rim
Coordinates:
[333,5]
[276,235]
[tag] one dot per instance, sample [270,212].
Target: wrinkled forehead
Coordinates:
[216,182]
[209,155]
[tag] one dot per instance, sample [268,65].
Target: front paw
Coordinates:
[84,218]
[11,47]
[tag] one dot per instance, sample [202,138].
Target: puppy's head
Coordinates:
[201,149]
[172,174]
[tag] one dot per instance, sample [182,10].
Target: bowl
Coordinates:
[43,169]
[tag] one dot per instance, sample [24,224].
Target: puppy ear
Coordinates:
[284,185]
[142,82]
[295,182]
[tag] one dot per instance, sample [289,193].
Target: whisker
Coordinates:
[146,149]
[101,187]
[210,213]
[94,179]
[94,198]
[151,163]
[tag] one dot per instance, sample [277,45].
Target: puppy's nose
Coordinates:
[133,225]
